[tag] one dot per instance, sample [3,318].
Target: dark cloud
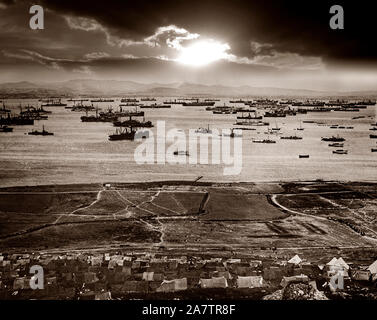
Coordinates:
[270,41]
[289,26]
[7,2]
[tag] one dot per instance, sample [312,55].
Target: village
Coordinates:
[106,276]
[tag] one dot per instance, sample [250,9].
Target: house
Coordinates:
[337,266]
[173,285]
[300,278]
[166,286]
[224,274]
[272,273]
[373,268]
[231,261]
[6,263]
[296,260]
[90,277]
[112,264]
[361,275]
[89,295]
[214,282]
[103,296]
[250,282]
[135,286]
[96,261]
[51,281]
[119,261]
[343,264]
[255,263]
[21,283]
[148,276]
[158,277]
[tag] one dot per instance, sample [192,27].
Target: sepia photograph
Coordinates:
[172,150]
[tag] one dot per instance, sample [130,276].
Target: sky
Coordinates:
[285,44]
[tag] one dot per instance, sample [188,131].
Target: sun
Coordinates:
[203,52]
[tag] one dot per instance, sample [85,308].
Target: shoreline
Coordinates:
[160,183]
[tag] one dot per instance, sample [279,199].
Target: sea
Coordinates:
[81,152]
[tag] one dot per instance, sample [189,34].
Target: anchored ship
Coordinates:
[123,134]
[333,139]
[340,151]
[53,103]
[40,133]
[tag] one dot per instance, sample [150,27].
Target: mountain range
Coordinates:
[103,88]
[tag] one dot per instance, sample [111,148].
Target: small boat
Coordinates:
[40,133]
[276,128]
[333,139]
[204,130]
[373,136]
[252,123]
[155,106]
[244,128]
[302,156]
[373,129]
[232,134]
[340,151]
[5,129]
[300,128]
[102,100]
[374,149]
[199,104]
[181,153]
[336,144]
[291,138]
[263,141]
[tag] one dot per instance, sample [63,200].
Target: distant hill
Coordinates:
[86,87]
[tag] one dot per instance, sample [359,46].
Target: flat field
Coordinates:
[189,216]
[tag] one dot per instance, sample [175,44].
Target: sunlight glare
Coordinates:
[203,52]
